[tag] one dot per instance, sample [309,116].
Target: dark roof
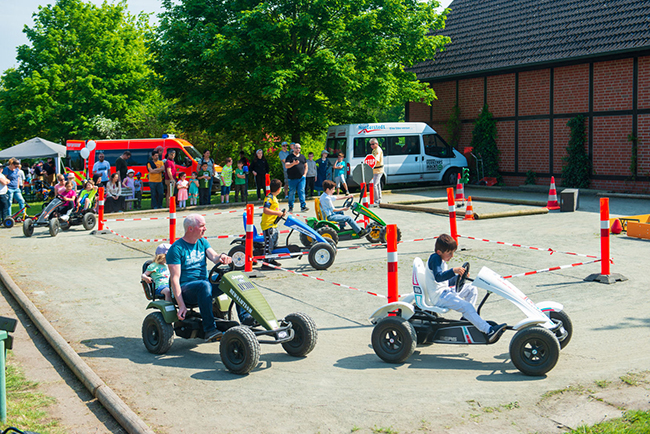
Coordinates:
[491,35]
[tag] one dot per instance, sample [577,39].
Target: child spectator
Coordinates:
[460,299]
[240,183]
[129,182]
[69,197]
[194,189]
[339,174]
[181,188]
[311,175]
[204,185]
[323,167]
[158,273]
[137,188]
[226,180]
[270,213]
[336,214]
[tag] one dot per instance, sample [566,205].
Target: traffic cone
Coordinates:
[469,212]
[617,227]
[552,196]
[460,193]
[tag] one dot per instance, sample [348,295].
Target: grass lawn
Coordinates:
[633,422]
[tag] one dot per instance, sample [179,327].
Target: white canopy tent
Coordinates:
[35,148]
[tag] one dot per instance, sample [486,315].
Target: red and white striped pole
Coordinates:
[172,219]
[100,209]
[364,201]
[248,267]
[371,193]
[604,236]
[391,240]
[452,214]
[267,182]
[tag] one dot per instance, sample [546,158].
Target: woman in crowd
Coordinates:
[260,167]
[113,201]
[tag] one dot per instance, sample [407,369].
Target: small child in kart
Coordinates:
[458,299]
[158,273]
[269,215]
[336,214]
[69,197]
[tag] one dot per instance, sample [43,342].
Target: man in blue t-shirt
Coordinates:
[188,275]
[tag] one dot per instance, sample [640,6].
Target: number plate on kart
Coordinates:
[245,286]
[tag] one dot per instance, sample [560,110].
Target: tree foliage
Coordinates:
[484,143]
[576,171]
[83,61]
[290,67]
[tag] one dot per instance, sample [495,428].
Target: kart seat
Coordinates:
[321,216]
[149,288]
[257,238]
[424,288]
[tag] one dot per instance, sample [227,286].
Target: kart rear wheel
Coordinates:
[238,255]
[394,339]
[321,256]
[306,240]
[8,223]
[534,351]
[157,334]
[54,226]
[305,335]
[382,235]
[88,221]
[566,323]
[374,234]
[329,234]
[239,350]
[28,227]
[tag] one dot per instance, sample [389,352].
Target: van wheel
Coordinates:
[450,177]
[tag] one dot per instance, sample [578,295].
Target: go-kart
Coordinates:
[330,229]
[240,344]
[17,217]
[534,349]
[51,217]
[322,250]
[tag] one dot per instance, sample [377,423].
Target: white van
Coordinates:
[413,151]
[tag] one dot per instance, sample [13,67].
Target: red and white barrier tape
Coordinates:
[529,247]
[134,239]
[561,267]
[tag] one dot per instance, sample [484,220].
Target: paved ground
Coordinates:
[88,287]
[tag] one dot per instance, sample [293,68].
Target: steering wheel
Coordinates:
[278,218]
[462,279]
[217,273]
[348,202]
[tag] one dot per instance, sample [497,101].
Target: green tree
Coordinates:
[484,143]
[576,171]
[83,61]
[292,67]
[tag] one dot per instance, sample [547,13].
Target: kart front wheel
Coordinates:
[157,334]
[566,323]
[239,350]
[305,335]
[382,235]
[88,221]
[321,256]
[238,255]
[8,223]
[28,227]
[394,339]
[329,234]
[534,351]
[54,226]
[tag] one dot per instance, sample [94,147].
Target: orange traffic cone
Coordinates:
[469,212]
[552,196]
[460,193]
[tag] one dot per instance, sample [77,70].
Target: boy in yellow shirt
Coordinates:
[270,213]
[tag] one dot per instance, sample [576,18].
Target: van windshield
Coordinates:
[193,152]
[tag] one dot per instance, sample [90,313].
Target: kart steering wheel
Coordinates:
[462,279]
[278,218]
[217,273]
[348,202]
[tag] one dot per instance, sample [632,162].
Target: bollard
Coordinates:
[452,213]
[364,201]
[249,238]
[371,193]
[267,182]
[605,276]
[172,219]
[391,240]
[3,378]
[100,210]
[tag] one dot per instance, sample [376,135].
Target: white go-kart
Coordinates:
[534,349]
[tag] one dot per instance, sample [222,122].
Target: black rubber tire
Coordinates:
[566,323]
[54,227]
[157,334]
[238,255]
[88,221]
[382,235]
[65,226]
[374,235]
[321,256]
[329,234]
[28,227]
[534,351]
[394,339]
[306,335]
[306,240]
[8,223]
[450,177]
[239,350]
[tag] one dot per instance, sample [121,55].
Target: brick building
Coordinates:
[538,63]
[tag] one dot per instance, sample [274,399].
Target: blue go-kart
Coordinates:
[321,252]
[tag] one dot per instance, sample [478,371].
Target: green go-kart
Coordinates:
[329,229]
[240,344]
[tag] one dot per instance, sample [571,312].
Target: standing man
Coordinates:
[121,165]
[155,168]
[378,170]
[210,162]
[296,165]
[170,173]
[188,275]
[50,171]
[102,168]
[284,153]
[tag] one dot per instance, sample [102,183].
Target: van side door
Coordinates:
[403,159]
[438,155]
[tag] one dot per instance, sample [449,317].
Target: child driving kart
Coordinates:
[336,214]
[460,299]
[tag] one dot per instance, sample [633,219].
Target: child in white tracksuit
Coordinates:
[462,301]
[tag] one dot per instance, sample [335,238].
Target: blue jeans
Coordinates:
[300,185]
[201,293]
[157,194]
[5,206]
[11,192]
[342,218]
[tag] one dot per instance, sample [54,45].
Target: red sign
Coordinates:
[370,160]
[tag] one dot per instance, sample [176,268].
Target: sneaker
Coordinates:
[305,209]
[213,335]
[250,321]
[276,263]
[290,209]
[363,232]
[495,332]
[65,217]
